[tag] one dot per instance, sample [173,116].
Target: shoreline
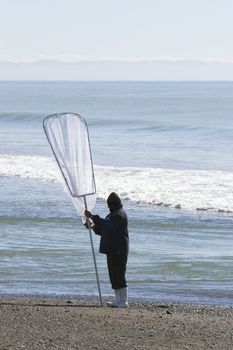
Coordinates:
[108,298]
[67,323]
[94,300]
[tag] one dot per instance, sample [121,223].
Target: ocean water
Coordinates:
[165,147]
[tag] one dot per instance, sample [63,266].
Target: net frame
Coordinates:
[75,196]
[56,116]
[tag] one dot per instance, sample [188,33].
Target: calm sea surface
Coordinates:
[166,148]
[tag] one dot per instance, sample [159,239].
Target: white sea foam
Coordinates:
[28,167]
[186,189]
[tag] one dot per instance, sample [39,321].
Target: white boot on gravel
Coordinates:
[117,299]
[123,297]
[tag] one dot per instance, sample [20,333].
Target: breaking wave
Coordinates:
[181,189]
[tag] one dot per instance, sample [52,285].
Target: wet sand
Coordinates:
[32,323]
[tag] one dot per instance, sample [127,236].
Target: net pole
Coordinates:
[93,254]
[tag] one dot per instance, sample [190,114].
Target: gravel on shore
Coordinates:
[43,323]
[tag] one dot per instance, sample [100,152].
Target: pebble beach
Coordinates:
[42,323]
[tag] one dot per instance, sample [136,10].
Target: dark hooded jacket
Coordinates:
[113,229]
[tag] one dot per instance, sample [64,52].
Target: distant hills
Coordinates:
[117,70]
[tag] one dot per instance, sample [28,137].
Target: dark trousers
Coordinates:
[117,270]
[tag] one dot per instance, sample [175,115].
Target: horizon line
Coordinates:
[105,59]
[116,81]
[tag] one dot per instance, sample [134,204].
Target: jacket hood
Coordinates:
[114,201]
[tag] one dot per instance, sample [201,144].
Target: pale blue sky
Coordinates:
[121,30]
[192,29]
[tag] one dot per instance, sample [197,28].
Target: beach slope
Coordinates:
[32,323]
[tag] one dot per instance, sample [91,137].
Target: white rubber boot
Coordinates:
[117,299]
[123,297]
[117,295]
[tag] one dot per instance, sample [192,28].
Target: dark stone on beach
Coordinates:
[163,306]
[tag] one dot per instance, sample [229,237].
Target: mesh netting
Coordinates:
[68,137]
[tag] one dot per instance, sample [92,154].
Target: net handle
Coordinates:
[93,254]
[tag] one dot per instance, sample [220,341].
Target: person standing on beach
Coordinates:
[114,243]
